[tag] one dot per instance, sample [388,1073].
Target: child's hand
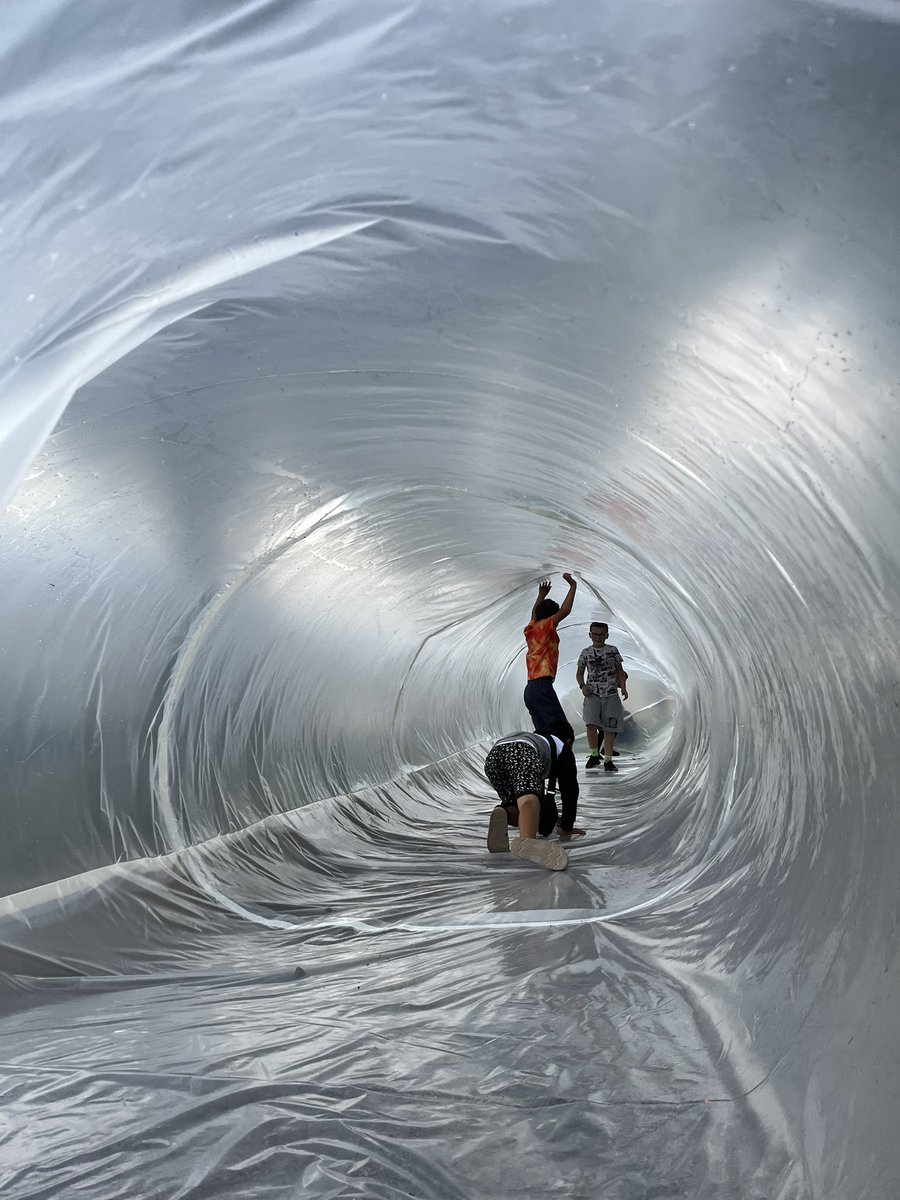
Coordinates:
[543,588]
[569,578]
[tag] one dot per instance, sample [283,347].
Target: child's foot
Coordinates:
[592,762]
[498,832]
[546,854]
[609,765]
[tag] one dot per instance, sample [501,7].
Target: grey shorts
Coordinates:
[606,712]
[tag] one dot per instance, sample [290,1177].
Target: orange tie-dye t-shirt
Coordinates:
[542,655]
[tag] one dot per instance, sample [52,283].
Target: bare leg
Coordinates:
[592,738]
[608,739]
[529,811]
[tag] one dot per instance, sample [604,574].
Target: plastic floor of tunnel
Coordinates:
[345,1037]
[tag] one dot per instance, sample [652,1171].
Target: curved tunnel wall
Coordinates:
[349,327]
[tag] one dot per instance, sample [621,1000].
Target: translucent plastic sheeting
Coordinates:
[328,330]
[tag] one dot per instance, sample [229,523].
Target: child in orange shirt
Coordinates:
[542,654]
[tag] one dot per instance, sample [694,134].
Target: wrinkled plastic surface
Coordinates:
[327,331]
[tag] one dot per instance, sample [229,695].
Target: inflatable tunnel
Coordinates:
[328,331]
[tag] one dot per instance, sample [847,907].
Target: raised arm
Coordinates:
[566,607]
[543,589]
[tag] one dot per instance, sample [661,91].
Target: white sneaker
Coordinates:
[498,832]
[546,854]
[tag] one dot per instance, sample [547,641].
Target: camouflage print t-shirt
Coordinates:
[600,664]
